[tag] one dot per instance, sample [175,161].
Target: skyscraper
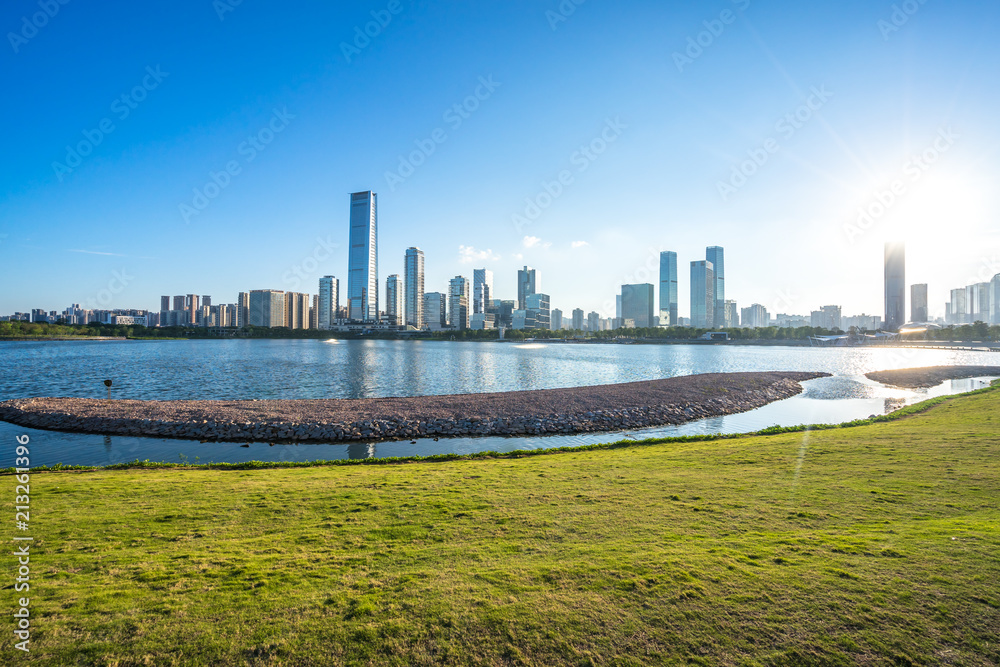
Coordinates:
[243,309]
[394,299]
[668,288]
[413,272]
[895,286]
[995,300]
[482,289]
[525,285]
[578,319]
[715,255]
[296,310]
[637,304]
[702,295]
[191,301]
[458,302]
[435,310]
[329,302]
[557,319]
[538,311]
[918,302]
[362,262]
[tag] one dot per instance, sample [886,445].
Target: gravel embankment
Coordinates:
[571,410]
[930,376]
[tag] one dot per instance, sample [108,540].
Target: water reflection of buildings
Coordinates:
[361,450]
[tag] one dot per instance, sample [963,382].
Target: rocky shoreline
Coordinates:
[546,411]
[930,376]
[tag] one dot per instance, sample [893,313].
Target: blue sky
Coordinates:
[670,123]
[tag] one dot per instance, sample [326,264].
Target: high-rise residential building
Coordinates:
[593,321]
[267,308]
[329,302]
[206,300]
[413,273]
[637,304]
[827,317]
[525,285]
[578,319]
[995,300]
[482,289]
[362,261]
[668,288]
[732,317]
[296,310]
[754,317]
[179,303]
[538,311]
[394,299]
[702,295]
[314,312]
[243,309]
[191,302]
[895,286]
[557,319]
[716,255]
[978,302]
[164,303]
[918,302]
[458,302]
[957,311]
[435,312]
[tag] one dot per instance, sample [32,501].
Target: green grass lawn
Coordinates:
[872,545]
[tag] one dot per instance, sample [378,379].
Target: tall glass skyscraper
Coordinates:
[458,302]
[413,273]
[702,295]
[716,255]
[482,289]
[394,299]
[668,288]
[525,286]
[362,261]
[895,286]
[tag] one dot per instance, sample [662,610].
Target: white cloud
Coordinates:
[578,244]
[535,242]
[468,254]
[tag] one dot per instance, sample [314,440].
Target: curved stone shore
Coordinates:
[546,411]
[930,376]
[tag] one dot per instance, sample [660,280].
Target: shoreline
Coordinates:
[535,412]
[929,376]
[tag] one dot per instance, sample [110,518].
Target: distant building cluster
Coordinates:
[474,304]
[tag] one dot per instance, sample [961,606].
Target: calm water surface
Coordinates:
[235,369]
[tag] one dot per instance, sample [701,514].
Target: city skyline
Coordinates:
[839,183]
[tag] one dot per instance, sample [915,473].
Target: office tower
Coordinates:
[179,303]
[557,319]
[618,306]
[413,273]
[754,317]
[538,311]
[362,261]
[918,302]
[482,289]
[578,319]
[525,285]
[503,312]
[731,313]
[394,299]
[637,304]
[978,302]
[267,308]
[296,310]
[702,295]
[164,303]
[715,255]
[243,309]
[458,302]
[995,300]
[206,300]
[895,286]
[668,288]
[593,321]
[329,302]
[435,314]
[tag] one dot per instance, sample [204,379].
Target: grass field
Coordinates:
[872,545]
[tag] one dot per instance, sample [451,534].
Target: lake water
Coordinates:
[237,369]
